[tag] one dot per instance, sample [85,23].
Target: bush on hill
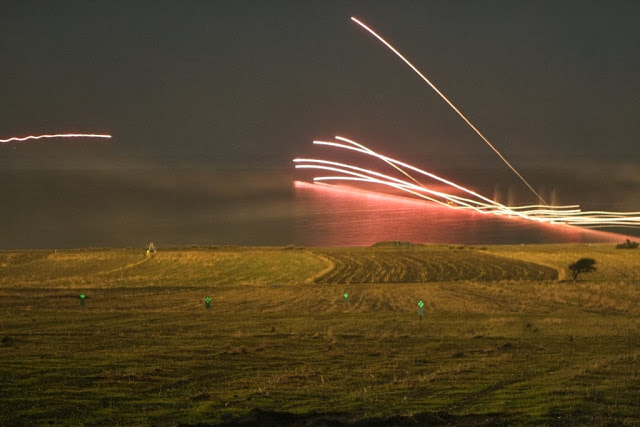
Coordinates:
[393,243]
[628,244]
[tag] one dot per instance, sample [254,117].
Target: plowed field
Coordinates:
[437,264]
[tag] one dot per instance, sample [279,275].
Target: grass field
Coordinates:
[505,339]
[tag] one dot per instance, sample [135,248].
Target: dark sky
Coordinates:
[250,83]
[208,102]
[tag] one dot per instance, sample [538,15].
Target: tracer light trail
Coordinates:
[394,50]
[397,163]
[570,214]
[59,135]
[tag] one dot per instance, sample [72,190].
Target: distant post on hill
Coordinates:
[583,265]
[151,249]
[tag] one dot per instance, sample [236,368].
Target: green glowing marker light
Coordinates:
[420,304]
[207,302]
[82,297]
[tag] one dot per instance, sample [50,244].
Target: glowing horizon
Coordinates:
[355,201]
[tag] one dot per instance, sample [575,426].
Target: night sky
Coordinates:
[254,82]
[250,84]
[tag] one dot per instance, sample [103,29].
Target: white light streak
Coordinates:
[59,135]
[415,69]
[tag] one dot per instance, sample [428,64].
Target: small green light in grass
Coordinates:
[420,309]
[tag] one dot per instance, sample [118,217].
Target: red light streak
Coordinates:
[60,135]
[387,44]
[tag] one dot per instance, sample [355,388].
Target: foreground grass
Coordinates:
[143,349]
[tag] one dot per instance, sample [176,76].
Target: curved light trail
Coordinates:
[415,69]
[401,164]
[568,214]
[59,135]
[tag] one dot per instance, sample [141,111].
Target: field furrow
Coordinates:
[431,264]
